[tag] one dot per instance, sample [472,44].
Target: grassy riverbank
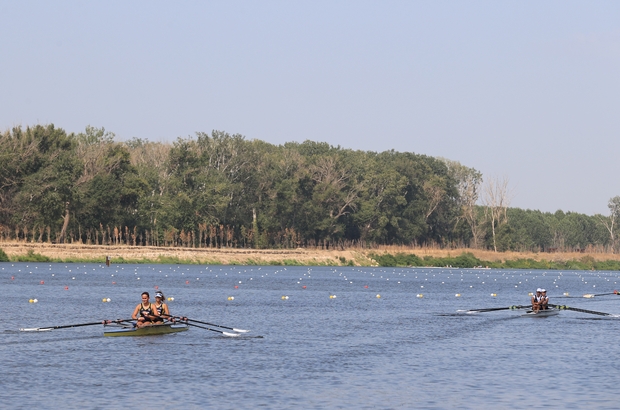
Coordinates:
[384,256]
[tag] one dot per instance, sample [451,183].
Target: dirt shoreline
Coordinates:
[357,257]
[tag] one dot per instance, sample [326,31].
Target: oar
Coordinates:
[223,327]
[562,307]
[212,324]
[43,329]
[590,295]
[214,330]
[494,309]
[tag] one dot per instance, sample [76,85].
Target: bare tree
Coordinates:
[610,221]
[496,199]
[468,186]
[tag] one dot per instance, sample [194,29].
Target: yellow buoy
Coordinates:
[170,299]
[231,298]
[284,297]
[332,296]
[419,295]
[378,296]
[493,294]
[565,294]
[458,295]
[31,301]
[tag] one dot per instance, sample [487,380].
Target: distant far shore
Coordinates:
[382,256]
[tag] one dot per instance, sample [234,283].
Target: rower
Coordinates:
[544,299]
[161,307]
[536,300]
[145,313]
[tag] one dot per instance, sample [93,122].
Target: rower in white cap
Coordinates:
[544,299]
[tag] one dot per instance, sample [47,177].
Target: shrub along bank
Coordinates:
[468,260]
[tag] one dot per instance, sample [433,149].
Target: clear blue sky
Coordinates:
[527,90]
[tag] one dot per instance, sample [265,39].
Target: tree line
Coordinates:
[222,190]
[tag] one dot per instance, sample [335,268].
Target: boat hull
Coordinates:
[542,313]
[147,330]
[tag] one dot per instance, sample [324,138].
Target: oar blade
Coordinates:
[230,334]
[240,330]
[35,329]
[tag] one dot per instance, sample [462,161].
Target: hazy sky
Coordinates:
[527,90]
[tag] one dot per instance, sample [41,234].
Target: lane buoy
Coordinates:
[419,295]
[284,297]
[493,294]
[170,299]
[42,283]
[66,287]
[303,287]
[332,296]
[231,298]
[378,296]
[458,295]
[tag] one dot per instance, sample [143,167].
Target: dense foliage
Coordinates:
[221,190]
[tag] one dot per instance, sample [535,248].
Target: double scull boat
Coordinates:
[144,331]
[542,313]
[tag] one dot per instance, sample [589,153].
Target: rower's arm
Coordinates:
[134,315]
[154,314]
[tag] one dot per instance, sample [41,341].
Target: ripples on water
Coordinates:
[352,351]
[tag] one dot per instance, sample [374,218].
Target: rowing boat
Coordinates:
[145,331]
[542,313]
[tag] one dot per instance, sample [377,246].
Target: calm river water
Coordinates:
[351,351]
